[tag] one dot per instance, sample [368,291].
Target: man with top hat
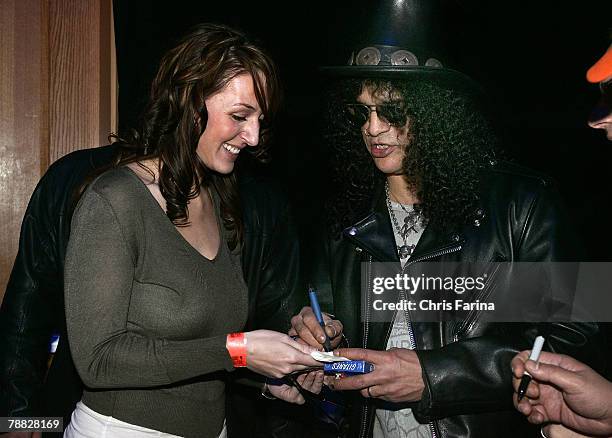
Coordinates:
[564,392]
[417,180]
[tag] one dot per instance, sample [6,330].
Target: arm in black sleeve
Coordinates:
[30,309]
[473,375]
[270,255]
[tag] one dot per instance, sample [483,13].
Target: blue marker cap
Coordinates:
[314,303]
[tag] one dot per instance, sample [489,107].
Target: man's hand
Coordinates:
[564,390]
[306,326]
[396,376]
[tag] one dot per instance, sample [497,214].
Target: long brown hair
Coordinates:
[202,64]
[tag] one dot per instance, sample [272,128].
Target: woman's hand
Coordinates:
[311,382]
[275,354]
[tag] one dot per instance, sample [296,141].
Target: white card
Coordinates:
[327,356]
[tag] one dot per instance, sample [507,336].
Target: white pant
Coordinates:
[87,423]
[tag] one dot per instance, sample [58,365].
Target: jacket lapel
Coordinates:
[374,234]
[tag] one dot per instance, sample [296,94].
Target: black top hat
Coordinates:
[407,39]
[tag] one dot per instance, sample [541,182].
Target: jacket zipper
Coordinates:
[432,424]
[366,327]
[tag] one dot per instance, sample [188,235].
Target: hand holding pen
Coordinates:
[526,377]
[307,326]
[564,390]
[314,304]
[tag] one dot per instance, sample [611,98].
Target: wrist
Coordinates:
[236,344]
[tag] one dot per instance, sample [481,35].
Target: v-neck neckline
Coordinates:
[167,220]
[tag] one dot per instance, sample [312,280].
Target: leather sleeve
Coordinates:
[473,375]
[33,305]
[270,257]
[29,309]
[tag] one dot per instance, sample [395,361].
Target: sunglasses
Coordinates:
[392,114]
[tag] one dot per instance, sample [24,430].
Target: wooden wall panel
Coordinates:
[23,116]
[80,74]
[57,94]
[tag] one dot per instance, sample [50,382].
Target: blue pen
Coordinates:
[314,303]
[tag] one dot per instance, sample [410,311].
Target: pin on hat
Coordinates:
[602,69]
[404,39]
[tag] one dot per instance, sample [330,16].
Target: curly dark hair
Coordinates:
[202,64]
[451,143]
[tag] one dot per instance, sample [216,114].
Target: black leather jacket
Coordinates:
[33,305]
[465,367]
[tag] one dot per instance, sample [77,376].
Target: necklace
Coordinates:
[412,222]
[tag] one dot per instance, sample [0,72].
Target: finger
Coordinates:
[533,390]
[292,332]
[561,360]
[523,355]
[516,383]
[311,323]
[303,348]
[308,381]
[329,380]
[286,392]
[335,342]
[358,354]
[303,342]
[333,329]
[518,366]
[566,380]
[295,396]
[537,415]
[302,331]
[302,355]
[524,407]
[360,381]
[384,391]
[318,382]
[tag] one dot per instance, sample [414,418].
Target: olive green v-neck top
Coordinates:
[147,314]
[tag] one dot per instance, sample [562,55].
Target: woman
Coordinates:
[154,288]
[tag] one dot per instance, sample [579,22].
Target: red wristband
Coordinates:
[236,346]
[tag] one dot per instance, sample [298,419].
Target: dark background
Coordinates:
[531,57]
